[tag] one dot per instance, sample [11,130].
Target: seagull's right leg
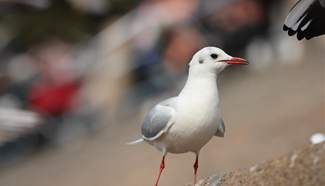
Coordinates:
[196,166]
[162,166]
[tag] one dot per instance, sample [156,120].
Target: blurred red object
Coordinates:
[53,99]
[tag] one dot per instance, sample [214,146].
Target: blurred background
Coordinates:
[77,77]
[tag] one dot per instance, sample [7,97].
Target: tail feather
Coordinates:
[135,142]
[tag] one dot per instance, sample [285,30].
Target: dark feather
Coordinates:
[306,19]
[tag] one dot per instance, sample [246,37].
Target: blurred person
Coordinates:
[157,67]
[182,42]
[55,92]
[140,64]
[233,24]
[22,71]
[19,126]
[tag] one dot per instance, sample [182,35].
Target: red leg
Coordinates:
[196,166]
[162,166]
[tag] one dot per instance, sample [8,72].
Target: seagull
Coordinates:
[306,19]
[187,122]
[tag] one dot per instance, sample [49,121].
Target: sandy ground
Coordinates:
[267,114]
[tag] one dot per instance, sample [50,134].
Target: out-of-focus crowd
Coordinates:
[42,97]
[172,31]
[152,44]
[55,85]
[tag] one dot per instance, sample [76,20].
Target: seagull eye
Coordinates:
[201,61]
[214,56]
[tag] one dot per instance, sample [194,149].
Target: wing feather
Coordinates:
[306,19]
[158,120]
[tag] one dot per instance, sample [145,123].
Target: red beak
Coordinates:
[236,61]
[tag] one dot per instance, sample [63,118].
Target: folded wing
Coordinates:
[159,120]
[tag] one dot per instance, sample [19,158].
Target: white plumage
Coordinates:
[187,122]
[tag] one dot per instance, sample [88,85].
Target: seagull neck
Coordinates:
[201,84]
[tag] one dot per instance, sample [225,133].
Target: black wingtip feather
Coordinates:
[300,36]
[291,32]
[285,28]
[316,14]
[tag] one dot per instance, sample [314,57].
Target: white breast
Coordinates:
[197,113]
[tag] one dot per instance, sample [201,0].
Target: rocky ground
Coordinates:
[301,167]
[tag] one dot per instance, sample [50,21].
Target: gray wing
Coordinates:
[306,19]
[221,129]
[159,119]
[296,13]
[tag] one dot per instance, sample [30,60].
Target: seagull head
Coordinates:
[213,60]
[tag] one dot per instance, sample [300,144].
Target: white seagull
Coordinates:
[187,122]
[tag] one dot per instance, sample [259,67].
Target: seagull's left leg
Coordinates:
[196,166]
[162,167]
